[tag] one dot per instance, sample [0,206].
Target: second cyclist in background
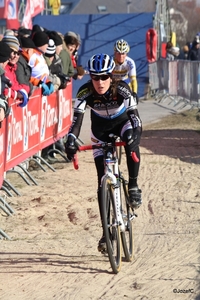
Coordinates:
[125,68]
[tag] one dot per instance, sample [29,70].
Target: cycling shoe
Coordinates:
[102,245]
[135,199]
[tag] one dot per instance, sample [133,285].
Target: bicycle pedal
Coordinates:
[135,215]
[102,250]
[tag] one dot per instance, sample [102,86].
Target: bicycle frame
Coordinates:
[112,171]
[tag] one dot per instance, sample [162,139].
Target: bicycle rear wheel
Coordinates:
[128,216]
[110,226]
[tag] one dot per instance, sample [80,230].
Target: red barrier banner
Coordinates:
[37,125]
[56,116]
[2,150]
[23,126]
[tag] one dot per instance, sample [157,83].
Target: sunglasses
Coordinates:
[16,53]
[101,77]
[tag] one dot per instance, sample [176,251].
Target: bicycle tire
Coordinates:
[127,235]
[110,227]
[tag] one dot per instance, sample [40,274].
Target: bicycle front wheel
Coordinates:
[127,235]
[110,226]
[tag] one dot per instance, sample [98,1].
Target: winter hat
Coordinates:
[40,38]
[12,42]
[51,49]
[27,42]
[5,52]
[9,32]
[56,37]
[24,32]
[75,35]
[175,51]
[197,39]
[36,28]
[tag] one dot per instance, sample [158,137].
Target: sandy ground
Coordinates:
[55,229]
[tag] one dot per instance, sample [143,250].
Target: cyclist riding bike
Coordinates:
[113,110]
[125,68]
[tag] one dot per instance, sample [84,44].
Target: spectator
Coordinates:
[67,65]
[194,53]
[172,52]
[9,32]
[55,66]
[175,51]
[169,56]
[5,53]
[57,40]
[35,29]
[184,52]
[18,91]
[23,71]
[73,42]
[37,62]
[39,68]
[15,32]
[59,47]
[25,32]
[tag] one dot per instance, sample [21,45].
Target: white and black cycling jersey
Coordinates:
[117,106]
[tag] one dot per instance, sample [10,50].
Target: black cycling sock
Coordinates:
[132,182]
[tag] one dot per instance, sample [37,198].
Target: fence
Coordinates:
[28,130]
[178,79]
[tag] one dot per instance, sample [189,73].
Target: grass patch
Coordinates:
[187,120]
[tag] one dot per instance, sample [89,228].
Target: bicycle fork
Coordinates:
[117,201]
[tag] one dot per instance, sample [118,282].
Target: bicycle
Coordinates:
[117,215]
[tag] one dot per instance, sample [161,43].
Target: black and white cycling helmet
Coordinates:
[121,46]
[101,64]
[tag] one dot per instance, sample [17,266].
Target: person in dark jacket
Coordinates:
[23,71]
[56,71]
[72,41]
[64,54]
[55,67]
[194,53]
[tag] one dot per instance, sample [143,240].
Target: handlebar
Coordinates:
[75,162]
[97,146]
